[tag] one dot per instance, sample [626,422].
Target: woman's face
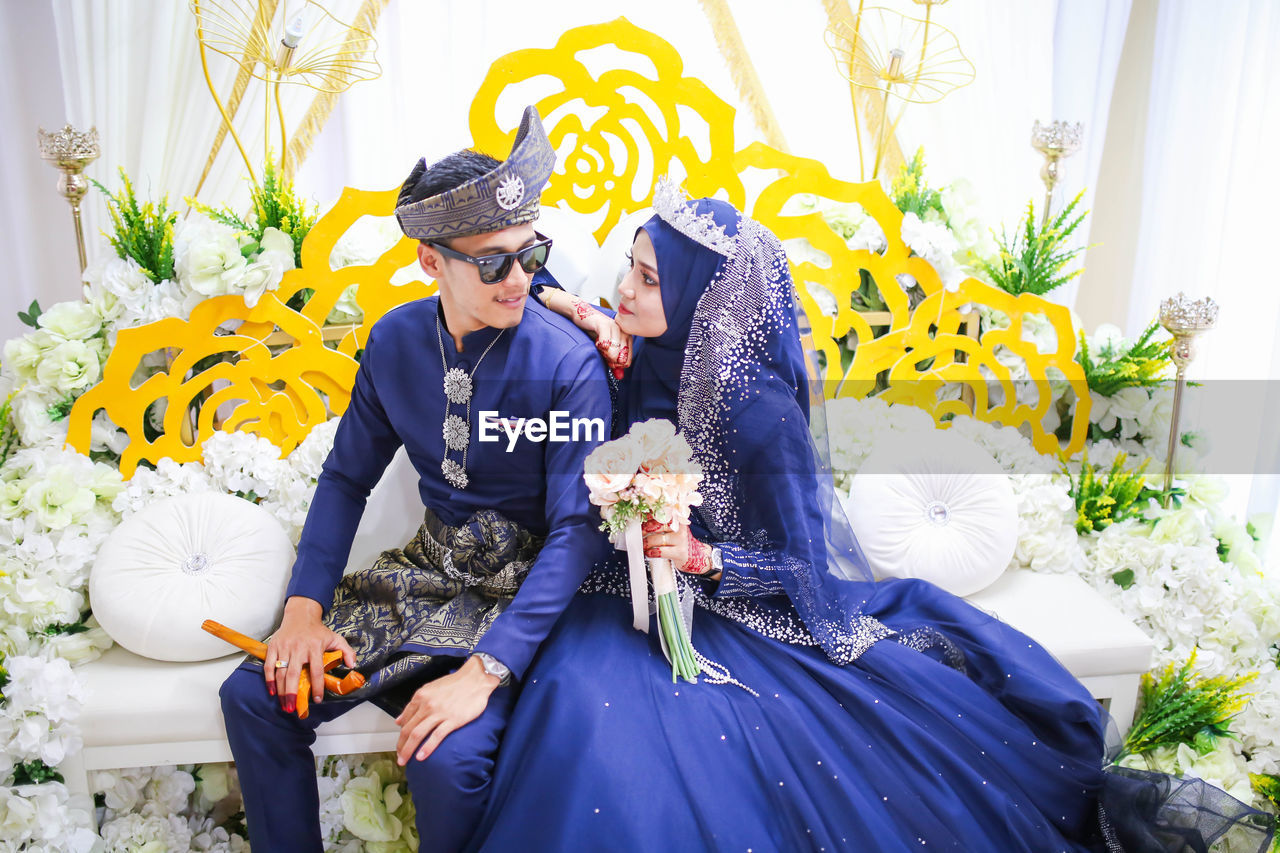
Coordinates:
[640,311]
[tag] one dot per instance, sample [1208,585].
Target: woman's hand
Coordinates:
[301,641]
[613,343]
[679,545]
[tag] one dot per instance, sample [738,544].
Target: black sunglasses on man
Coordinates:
[494,269]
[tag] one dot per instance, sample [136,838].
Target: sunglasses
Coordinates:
[494,269]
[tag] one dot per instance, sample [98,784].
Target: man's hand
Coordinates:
[301,641]
[441,707]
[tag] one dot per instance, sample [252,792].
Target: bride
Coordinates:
[839,713]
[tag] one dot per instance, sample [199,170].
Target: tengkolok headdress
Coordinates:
[509,195]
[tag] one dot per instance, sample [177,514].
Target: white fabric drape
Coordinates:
[37,239]
[1209,179]
[982,132]
[1088,37]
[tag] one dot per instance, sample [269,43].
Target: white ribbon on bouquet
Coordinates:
[660,572]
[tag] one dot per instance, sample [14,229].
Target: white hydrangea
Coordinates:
[41,701]
[368,238]
[308,458]
[135,833]
[168,479]
[31,418]
[41,818]
[244,462]
[933,241]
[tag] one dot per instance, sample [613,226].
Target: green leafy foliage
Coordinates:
[1112,368]
[58,628]
[1176,706]
[910,192]
[34,773]
[143,232]
[31,315]
[1033,261]
[1266,786]
[275,205]
[1101,499]
[625,512]
[8,431]
[62,408]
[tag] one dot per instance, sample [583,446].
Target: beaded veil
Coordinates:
[744,403]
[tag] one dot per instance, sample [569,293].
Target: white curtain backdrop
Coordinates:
[1209,181]
[1088,37]
[37,238]
[132,69]
[1210,177]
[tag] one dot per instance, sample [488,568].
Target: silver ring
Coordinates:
[282,664]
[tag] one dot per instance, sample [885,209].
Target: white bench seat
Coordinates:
[142,713]
[147,713]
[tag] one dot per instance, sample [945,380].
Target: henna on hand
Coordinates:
[699,562]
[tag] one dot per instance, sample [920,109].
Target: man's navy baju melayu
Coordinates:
[540,366]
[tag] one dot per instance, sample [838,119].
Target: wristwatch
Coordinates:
[717,561]
[494,667]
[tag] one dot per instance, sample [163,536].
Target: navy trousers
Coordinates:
[277,769]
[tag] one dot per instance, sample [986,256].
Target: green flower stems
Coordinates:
[671,623]
[675,634]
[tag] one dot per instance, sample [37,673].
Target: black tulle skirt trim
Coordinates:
[1145,812]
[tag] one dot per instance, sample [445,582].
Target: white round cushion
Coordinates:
[934,505]
[183,560]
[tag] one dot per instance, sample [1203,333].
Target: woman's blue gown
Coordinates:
[896,751]
[955,733]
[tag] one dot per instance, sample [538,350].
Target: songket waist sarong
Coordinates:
[418,609]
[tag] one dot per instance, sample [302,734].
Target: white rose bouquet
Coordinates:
[647,474]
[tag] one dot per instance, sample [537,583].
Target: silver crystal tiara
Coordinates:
[671,203]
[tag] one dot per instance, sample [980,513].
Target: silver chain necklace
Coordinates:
[457,432]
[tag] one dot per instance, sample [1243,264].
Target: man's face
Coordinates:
[469,303]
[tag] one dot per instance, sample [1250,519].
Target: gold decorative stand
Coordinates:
[70,151]
[1056,141]
[1185,320]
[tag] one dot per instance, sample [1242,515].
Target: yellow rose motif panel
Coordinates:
[273,375]
[923,352]
[616,130]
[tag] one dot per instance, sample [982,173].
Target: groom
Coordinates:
[443,628]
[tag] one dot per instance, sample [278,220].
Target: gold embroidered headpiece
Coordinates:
[509,195]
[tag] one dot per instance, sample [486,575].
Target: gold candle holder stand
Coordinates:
[1055,141]
[1185,319]
[70,151]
